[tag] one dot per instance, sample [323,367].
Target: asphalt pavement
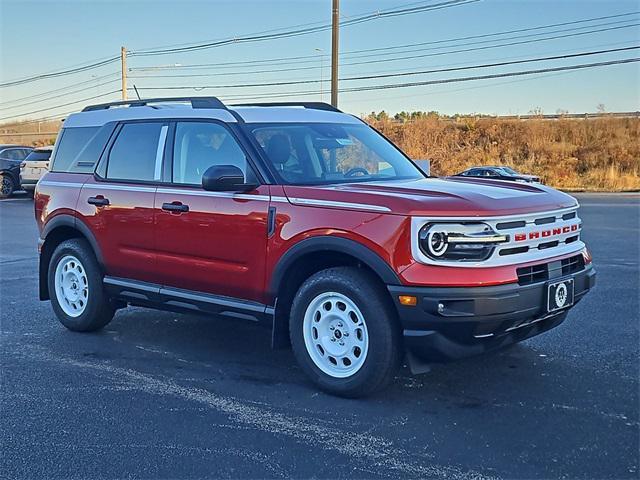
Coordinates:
[163,395]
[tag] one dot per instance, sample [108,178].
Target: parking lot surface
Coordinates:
[163,395]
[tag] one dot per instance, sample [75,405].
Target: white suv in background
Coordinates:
[33,167]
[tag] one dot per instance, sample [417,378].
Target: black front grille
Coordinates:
[546,271]
[532,274]
[572,264]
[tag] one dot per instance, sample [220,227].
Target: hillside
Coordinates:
[575,154]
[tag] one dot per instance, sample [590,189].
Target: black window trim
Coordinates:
[54,152]
[167,160]
[104,158]
[247,129]
[237,136]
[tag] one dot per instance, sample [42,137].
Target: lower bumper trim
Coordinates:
[451,323]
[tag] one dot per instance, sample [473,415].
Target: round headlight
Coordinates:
[463,242]
[437,243]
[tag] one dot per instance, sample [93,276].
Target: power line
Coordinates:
[486,47]
[272,61]
[279,70]
[60,73]
[402,85]
[59,106]
[37,95]
[305,31]
[243,39]
[370,77]
[495,75]
[73,92]
[496,64]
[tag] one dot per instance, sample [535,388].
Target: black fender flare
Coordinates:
[331,243]
[63,220]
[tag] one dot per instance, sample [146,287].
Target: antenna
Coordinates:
[136,89]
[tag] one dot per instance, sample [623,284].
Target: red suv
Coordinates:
[304,217]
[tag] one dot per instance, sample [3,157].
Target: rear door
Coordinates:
[118,202]
[217,243]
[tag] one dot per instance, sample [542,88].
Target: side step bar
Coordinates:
[176,299]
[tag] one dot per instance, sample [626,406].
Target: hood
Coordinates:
[437,197]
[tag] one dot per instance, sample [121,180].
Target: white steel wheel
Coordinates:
[71,286]
[335,334]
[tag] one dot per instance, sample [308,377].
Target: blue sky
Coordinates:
[43,36]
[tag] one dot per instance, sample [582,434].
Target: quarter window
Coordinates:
[136,153]
[72,142]
[200,145]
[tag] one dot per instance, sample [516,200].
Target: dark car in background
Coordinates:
[499,173]
[11,156]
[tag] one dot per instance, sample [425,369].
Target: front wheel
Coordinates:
[75,287]
[7,186]
[345,333]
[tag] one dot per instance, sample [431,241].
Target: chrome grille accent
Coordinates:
[531,237]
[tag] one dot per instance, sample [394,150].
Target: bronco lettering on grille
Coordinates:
[520,237]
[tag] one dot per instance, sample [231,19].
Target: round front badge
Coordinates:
[561,295]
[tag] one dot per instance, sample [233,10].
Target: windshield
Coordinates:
[317,153]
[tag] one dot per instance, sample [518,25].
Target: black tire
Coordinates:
[384,354]
[98,310]
[7,186]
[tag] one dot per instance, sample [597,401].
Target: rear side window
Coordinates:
[14,153]
[135,151]
[38,156]
[73,142]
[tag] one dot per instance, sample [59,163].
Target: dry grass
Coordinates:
[574,154]
[26,133]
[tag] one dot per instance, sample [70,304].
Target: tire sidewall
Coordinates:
[94,309]
[4,177]
[381,329]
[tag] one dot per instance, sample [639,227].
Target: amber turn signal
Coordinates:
[408,300]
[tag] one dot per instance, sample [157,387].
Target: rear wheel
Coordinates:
[7,186]
[75,287]
[344,332]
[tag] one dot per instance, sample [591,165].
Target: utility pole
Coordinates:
[123,61]
[335,24]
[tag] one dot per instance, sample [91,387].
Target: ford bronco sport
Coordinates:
[306,218]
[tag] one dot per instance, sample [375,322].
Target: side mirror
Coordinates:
[225,178]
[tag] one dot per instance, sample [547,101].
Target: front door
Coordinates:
[212,242]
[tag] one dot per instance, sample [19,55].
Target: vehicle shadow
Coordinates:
[226,349]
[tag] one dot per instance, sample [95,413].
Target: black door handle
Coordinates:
[99,201]
[175,207]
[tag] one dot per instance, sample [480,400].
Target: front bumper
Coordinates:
[454,322]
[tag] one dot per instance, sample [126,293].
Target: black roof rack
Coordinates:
[310,105]
[196,102]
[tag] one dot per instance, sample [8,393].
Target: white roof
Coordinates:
[281,114]
[292,115]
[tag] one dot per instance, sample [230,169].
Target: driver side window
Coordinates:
[200,145]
